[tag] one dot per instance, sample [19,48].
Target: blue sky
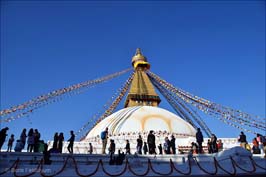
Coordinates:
[215,50]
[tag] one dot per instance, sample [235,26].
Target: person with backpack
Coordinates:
[243,140]
[104,137]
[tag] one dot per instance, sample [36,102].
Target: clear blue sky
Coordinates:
[215,50]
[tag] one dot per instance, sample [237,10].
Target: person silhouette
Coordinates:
[145,148]
[199,138]
[71,142]
[151,142]
[104,137]
[60,142]
[3,136]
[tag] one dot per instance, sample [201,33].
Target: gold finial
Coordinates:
[138,56]
[139,59]
[138,52]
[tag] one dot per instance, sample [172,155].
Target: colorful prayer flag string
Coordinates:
[25,108]
[226,114]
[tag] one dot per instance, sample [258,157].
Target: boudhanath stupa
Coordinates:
[142,113]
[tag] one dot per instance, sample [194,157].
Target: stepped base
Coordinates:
[31,164]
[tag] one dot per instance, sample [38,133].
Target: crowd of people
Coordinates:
[148,147]
[214,145]
[258,143]
[168,147]
[35,144]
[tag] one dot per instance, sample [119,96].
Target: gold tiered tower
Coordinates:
[141,92]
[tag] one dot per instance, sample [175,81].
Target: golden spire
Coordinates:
[139,60]
[141,91]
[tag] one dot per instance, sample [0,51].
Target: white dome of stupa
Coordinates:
[138,119]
